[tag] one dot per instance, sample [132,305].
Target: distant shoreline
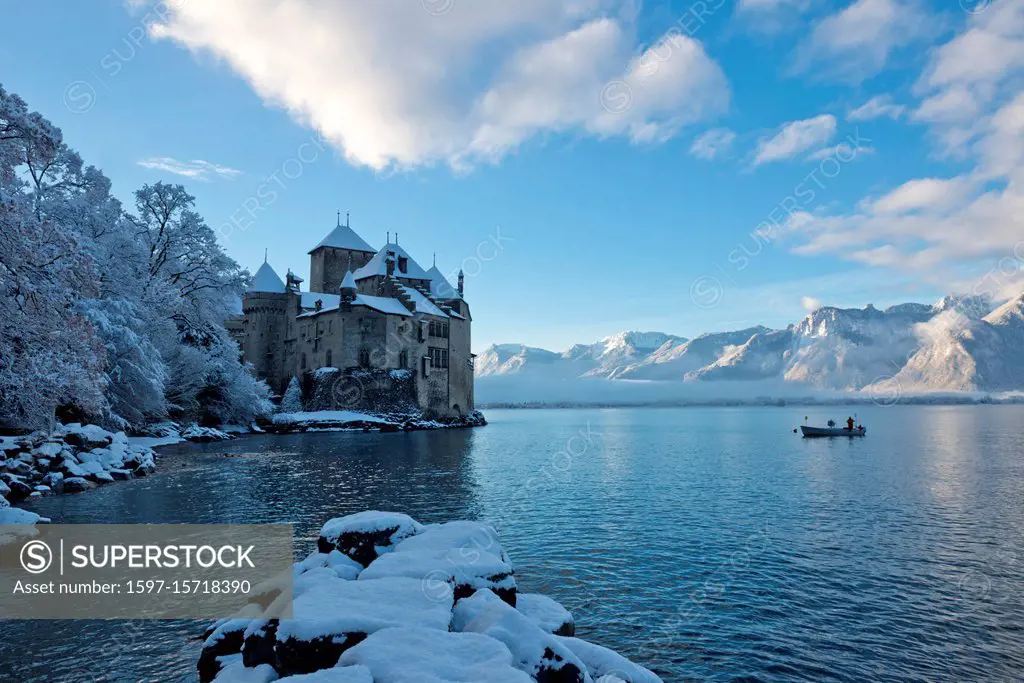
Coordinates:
[944,400]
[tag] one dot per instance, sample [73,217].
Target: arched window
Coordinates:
[329,358]
[403,359]
[303,361]
[364,358]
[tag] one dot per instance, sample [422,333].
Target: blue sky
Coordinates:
[594,166]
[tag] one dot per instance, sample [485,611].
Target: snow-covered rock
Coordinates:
[534,651]
[365,535]
[607,665]
[423,655]
[546,613]
[334,614]
[73,458]
[385,624]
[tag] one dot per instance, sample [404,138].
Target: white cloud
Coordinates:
[810,303]
[923,194]
[796,137]
[197,169]
[770,16]
[876,107]
[962,232]
[393,85]
[858,41]
[844,152]
[713,143]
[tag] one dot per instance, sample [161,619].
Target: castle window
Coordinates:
[403,264]
[330,326]
[303,361]
[444,330]
[364,358]
[438,357]
[403,359]
[328,358]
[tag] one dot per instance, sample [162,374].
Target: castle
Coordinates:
[374,322]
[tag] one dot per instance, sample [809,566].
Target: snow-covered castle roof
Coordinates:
[440,286]
[266,280]
[343,237]
[378,264]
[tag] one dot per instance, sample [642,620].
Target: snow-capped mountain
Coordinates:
[962,353]
[673,361]
[957,344]
[602,359]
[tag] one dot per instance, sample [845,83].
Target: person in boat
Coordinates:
[849,423]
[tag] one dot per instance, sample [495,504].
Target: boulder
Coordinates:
[5,490]
[121,475]
[19,490]
[604,664]
[77,485]
[233,670]
[534,651]
[226,639]
[360,535]
[424,654]
[546,614]
[258,643]
[459,572]
[330,615]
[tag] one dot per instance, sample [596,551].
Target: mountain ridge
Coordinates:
[958,344]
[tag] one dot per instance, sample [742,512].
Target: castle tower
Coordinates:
[266,310]
[342,250]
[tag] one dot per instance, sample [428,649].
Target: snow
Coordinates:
[533,650]
[338,674]
[546,613]
[470,536]
[371,521]
[338,416]
[401,655]
[234,671]
[10,515]
[344,237]
[378,264]
[266,280]
[348,282]
[382,303]
[440,286]
[331,302]
[465,566]
[601,661]
[333,606]
[422,303]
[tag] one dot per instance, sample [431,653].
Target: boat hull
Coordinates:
[833,431]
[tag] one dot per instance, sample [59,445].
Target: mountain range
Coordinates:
[958,344]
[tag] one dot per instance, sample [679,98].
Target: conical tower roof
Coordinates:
[266,280]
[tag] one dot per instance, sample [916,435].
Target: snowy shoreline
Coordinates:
[351,421]
[385,599]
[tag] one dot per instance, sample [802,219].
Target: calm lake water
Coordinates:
[707,543]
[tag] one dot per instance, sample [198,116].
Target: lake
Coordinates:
[706,543]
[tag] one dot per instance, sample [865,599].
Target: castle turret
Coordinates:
[462,282]
[266,309]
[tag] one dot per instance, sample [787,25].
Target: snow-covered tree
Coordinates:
[118,315]
[292,400]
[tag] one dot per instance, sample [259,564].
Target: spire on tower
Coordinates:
[264,254]
[396,237]
[387,240]
[339,218]
[347,219]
